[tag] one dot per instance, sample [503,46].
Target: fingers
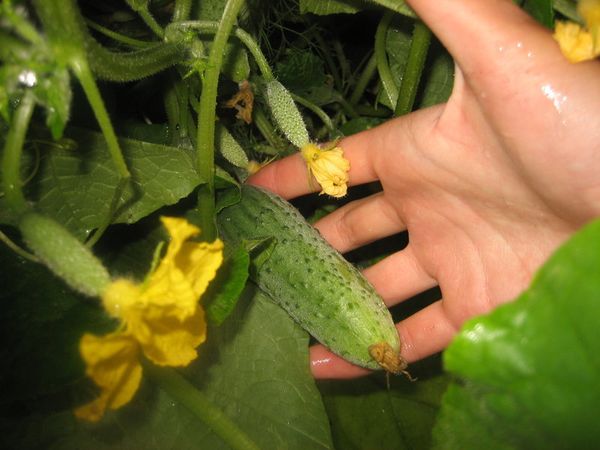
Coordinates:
[399,277]
[289,178]
[426,332]
[487,35]
[360,222]
[423,334]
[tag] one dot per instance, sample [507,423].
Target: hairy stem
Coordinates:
[118,37]
[13,149]
[149,20]
[84,75]
[193,399]
[182,9]
[205,143]
[211,27]
[315,109]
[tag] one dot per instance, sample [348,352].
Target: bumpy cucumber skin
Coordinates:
[322,291]
[64,255]
[286,114]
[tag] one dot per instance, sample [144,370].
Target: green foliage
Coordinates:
[401,413]
[541,10]
[438,75]
[229,285]
[254,367]
[326,7]
[76,185]
[528,372]
[300,70]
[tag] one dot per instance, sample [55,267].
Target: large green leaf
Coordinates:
[529,372]
[254,367]
[76,186]
[367,414]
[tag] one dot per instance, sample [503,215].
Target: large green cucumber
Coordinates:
[320,289]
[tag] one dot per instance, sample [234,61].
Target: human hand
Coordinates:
[487,185]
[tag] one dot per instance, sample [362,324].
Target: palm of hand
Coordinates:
[487,185]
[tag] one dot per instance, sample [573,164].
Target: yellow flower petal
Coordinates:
[161,317]
[575,43]
[589,10]
[186,270]
[329,167]
[171,342]
[112,363]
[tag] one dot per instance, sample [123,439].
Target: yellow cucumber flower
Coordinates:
[160,318]
[581,43]
[329,167]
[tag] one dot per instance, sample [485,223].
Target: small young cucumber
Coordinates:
[320,289]
[286,114]
[64,254]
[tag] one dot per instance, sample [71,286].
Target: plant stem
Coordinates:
[21,25]
[18,250]
[184,392]
[346,106]
[65,28]
[419,46]
[12,47]
[385,74]
[363,80]
[266,128]
[333,69]
[151,21]
[84,75]
[315,109]
[131,66]
[205,143]
[13,149]
[343,63]
[182,9]
[137,43]
[207,26]
[366,110]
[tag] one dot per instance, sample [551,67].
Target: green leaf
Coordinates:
[228,285]
[528,373]
[541,10]
[366,414]
[438,78]
[254,368]
[326,7]
[40,326]
[76,187]
[300,70]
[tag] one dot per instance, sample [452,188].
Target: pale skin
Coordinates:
[488,185]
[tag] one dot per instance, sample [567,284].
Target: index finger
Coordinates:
[289,176]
